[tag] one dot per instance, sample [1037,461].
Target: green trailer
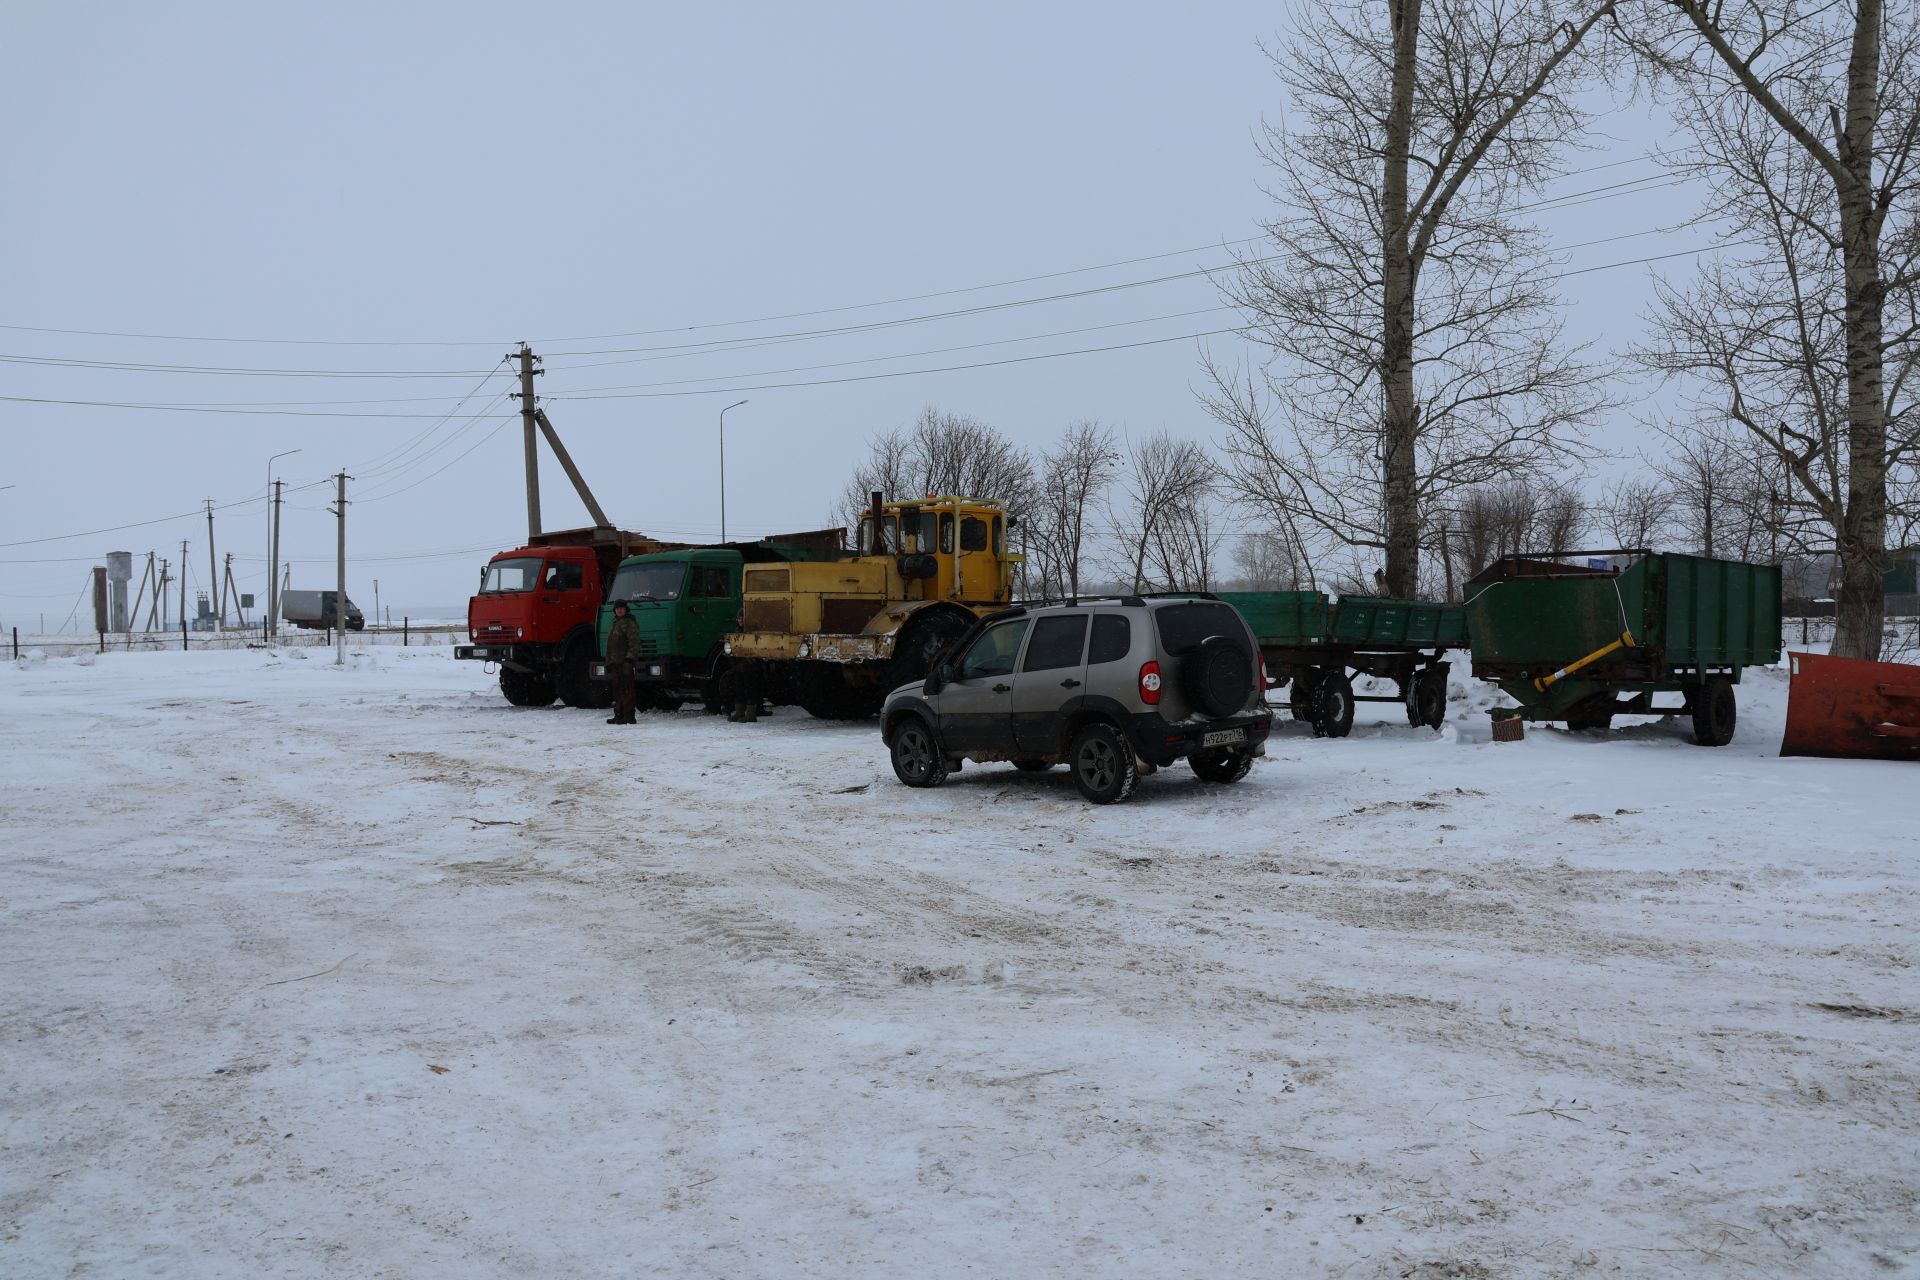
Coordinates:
[1315,644]
[1583,636]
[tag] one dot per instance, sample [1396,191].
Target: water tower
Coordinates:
[119,574]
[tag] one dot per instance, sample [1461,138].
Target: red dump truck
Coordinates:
[536,611]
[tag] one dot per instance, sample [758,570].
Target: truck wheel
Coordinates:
[1714,713]
[1103,764]
[575,685]
[526,688]
[1222,764]
[1332,705]
[916,757]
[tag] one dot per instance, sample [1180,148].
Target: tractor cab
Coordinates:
[943,547]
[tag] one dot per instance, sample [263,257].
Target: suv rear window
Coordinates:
[1112,638]
[1182,626]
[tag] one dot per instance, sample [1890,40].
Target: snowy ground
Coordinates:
[363,973]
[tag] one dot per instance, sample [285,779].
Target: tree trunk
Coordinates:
[1862,542]
[1402,415]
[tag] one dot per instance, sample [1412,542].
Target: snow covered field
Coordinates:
[362,972]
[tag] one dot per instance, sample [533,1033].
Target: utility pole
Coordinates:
[273,566]
[340,582]
[183,582]
[160,596]
[213,575]
[530,423]
[376,602]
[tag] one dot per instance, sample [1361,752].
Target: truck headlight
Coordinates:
[727,647]
[805,648]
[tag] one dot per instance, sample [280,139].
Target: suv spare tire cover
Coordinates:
[1217,675]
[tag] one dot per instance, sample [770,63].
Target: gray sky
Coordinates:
[477,174]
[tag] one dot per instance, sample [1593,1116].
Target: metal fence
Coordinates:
[406,633]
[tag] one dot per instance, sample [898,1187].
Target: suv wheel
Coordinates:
[916,757]
[1103,764]
[1222,764]
[1332,705]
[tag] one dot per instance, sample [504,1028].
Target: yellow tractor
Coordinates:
[836,636]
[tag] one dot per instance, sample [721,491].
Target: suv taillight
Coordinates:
[1150,684]
[1264,686]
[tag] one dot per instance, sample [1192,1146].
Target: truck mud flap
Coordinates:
[1849,708]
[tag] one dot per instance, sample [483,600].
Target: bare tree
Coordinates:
[1514,517]
[1414,338]
[1805,120]
[1635,511]
[942,453]
[1154,519]
[1074,476]
[1269,561]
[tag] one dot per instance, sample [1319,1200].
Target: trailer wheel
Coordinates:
[1221,764]
[1597,714]
[1427,698]
[1332,705]
[526,688]
[1300,695]
[1714,712]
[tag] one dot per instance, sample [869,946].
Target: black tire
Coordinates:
[916,756]
[922,640]
[1714,712]
[573,683]
[1217,676]
[1222,764]
[667,704]
[1103,764]
[526,688]
[1332,705]
[1033,766]
[1427,699]
[823,692]
[1300,696]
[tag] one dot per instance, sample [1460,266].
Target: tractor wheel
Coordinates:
[822,691]
[574,684]
[526,688]
[1714,713]
[1332,704]
[922,640]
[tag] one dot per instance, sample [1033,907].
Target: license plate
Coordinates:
[1223,737]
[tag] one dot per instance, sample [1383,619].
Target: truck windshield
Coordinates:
[660,580]
[510,575]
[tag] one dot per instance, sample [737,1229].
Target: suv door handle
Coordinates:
[1069,683]
[1001,688]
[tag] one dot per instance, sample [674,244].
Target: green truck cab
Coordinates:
[686,603]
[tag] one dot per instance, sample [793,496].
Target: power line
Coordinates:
[196,513]
[241,371]
[154,407]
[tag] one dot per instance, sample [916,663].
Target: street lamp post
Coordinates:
[269,624]
[723,467]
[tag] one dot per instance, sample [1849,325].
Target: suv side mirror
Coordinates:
[938,677]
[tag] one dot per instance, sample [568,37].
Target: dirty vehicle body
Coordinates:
[686,603]
[536,611]
[1601,636]
[314,610]
[1111,688]
[1316,646]
[835,636]
[1852,709]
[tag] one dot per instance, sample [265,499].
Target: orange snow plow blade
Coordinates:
[1851,708]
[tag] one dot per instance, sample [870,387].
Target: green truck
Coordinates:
[686,603]
[1311,642]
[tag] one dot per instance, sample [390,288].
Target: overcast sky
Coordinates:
[462,176]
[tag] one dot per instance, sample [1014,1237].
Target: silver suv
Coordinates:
[1112,688]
